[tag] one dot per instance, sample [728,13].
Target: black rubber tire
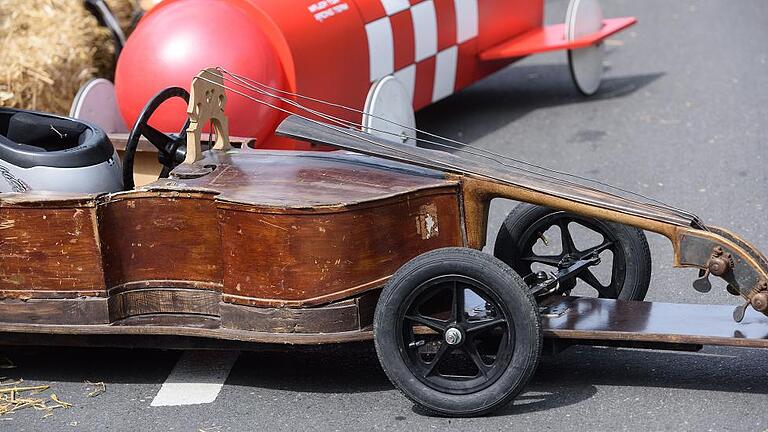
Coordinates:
[506,284]
[631,240]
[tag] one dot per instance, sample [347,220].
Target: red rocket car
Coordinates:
[388,58]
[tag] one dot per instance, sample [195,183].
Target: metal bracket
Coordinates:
[554,311]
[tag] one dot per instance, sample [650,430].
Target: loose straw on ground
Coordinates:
[15,398]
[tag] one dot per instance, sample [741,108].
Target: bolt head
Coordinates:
[453,336]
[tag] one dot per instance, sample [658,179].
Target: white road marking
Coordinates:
[197,378]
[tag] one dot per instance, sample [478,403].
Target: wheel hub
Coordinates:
[453,336]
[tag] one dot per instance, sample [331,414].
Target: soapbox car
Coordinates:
[380,240]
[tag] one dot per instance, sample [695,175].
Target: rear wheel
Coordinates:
[457,332]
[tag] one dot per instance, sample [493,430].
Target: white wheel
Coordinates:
[389,113]
[96,103]
[585,17]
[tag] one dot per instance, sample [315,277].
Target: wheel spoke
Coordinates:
[597,249]
[479,326]
[471,350]
[552,260]
[432,366]
[565,236]
[457,312]
[433,323]
[604,291]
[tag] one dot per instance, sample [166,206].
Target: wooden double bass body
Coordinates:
[293,247]
[268,243]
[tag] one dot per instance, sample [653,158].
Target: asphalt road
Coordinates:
[681,116]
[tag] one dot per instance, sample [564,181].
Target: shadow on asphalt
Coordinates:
[561,380]
[513,93]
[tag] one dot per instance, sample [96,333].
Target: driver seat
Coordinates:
[46,152]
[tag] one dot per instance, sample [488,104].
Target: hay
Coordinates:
[124,11]
[49,48]
[14,398]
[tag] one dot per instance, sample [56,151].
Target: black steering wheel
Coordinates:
[171,148]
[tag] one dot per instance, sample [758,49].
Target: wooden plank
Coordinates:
[163,300]
[171,320]
[334,318]
[220,333]
[618,320]
[58,312]
[366,304]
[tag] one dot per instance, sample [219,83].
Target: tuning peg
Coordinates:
[702,284]
[738,313]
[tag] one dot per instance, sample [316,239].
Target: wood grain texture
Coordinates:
[49,249]
[84,311]
[160,236]
[265,229]
[287,180]
[159,300]
[173,330]
[334,318]
[171,320]
[307,259]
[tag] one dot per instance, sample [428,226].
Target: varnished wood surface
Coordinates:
[264,228]
[308,259]
[486,177]
[49,249]
[464,163]
[160,237]
[591,318]
[305,180]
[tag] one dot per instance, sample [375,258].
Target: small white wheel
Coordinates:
[96,103]
[389,113]
[585,17]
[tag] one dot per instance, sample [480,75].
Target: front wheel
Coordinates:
[457,332]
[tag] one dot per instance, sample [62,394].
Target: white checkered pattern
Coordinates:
[426,31]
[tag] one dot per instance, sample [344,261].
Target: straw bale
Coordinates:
[49,48]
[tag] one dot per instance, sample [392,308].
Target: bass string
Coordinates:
[695,221]
[404,155]
[455,145]
[344,123]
